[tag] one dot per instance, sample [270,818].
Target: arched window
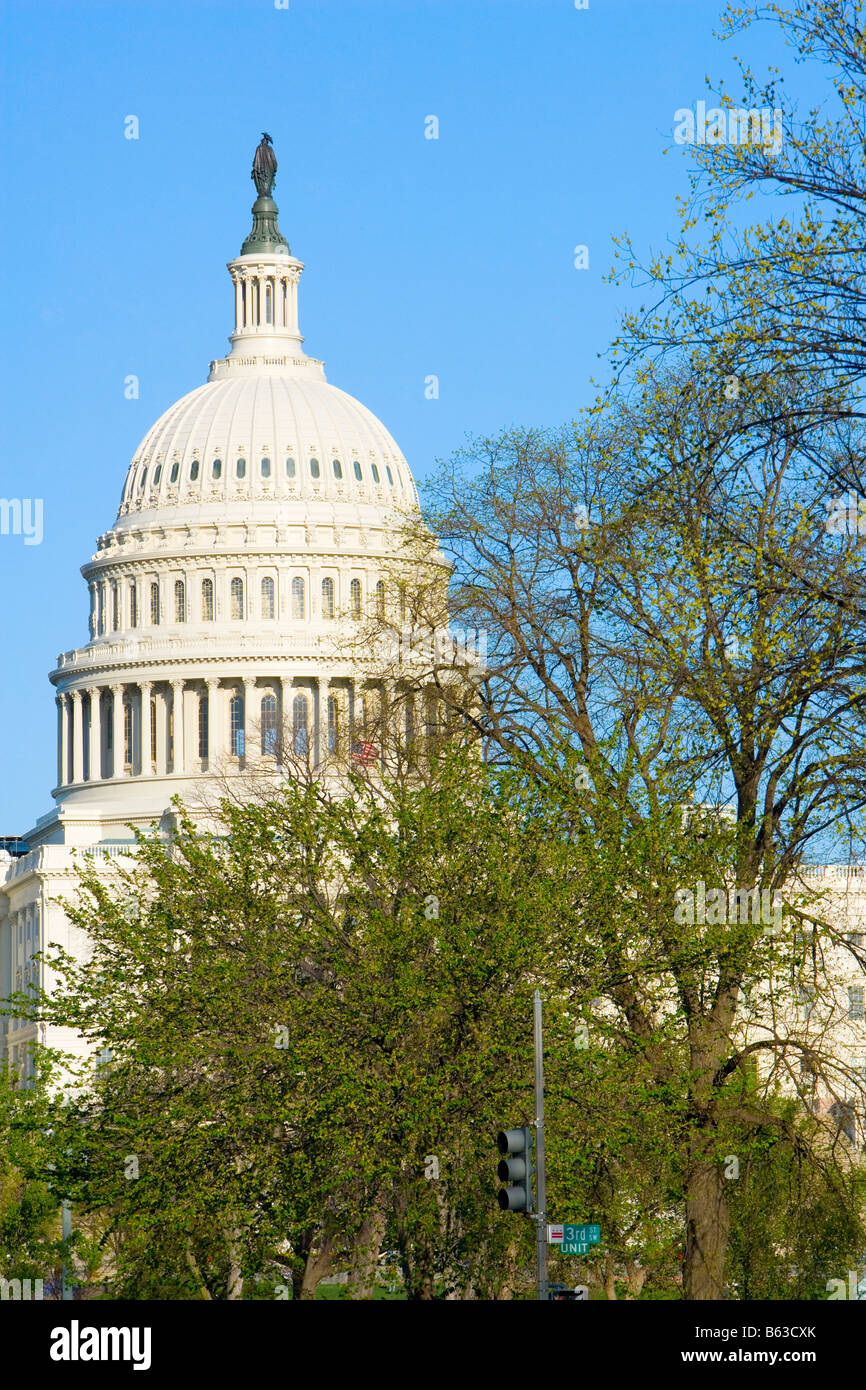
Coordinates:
[390,475]
[202,726]
[314,468]
[333,724]
[236,724]
[300,740]
[241,468]
[268,306]
[127,733]
[265,467]
[207,600]
[216,468]
[157,475]
[115,607]
[297,598]
[338,468]
[358,474]
[269,724]
[380,599]
[142,481]
[327,598]
[193,472]
[154,604]
[268,603]
[179,601]
[355,598]
[374,470]
[175,469]
[290,468]
[237,592]
[133,604]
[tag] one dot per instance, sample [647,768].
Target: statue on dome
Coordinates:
[264,166]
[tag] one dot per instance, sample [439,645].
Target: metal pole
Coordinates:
[67,1294]
[540,1181]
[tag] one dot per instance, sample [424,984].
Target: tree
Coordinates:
[643,638]
[302,1013]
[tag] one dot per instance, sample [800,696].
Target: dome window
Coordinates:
[358,474]
[265,466]
[314,468]
[268,598]
[217,468]
[237,593]
[298,599]
[374,470]
[236,725]
[390,476]
[290,468]
[193,472]
[157,475]
[241,468]
[180,601]
[327,598]
[355,597]
[175,469]
[269,724]
[207,600]
[300,718]
[143,480]
[338,469]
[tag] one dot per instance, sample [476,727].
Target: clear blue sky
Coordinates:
[451,256]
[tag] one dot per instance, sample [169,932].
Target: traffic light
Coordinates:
[515,1168]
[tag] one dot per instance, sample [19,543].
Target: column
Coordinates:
[252,717]
[323,750]
[239,306]
[214,724]
[161,733]
[77,737]
[286,742]
[178,750]
[95,768]
[146,764]
[117,731]
[61,741]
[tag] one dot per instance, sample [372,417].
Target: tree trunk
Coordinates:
[636,1275]
[609,1277]
[707,1226]
[365,1254]
[317,1266]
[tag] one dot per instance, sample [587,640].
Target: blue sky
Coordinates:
[451,257]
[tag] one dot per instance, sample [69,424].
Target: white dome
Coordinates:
[265,434]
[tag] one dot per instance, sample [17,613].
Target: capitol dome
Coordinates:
[261,434]
[256,526]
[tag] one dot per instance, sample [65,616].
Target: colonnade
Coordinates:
[175,726]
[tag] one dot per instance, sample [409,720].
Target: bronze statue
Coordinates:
[264,167]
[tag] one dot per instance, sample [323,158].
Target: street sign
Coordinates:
[576,1240]
[554,1234]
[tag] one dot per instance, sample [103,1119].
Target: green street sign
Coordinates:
[576,1240]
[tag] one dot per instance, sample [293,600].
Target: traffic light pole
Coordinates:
[540,1183]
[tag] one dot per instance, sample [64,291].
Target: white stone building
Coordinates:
[255,522]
